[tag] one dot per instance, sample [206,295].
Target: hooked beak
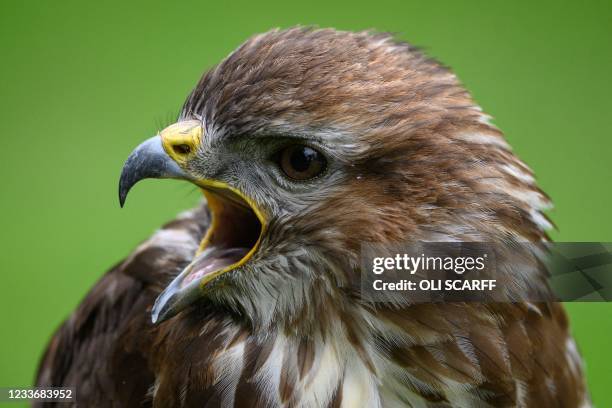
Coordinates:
[237,223]
[161,156]
[148,160]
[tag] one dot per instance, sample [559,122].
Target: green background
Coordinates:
[82,84]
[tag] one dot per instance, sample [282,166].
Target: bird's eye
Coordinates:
[300,162]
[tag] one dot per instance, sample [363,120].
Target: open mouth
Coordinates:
[237,224]
[232,238]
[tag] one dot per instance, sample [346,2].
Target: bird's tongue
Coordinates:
[213,259]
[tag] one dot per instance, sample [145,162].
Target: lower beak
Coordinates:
[231,240]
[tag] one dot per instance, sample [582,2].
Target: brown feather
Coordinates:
[415,159]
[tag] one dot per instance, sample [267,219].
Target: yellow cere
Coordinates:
[181,139]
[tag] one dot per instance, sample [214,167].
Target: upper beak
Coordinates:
[158,157]
[148,160]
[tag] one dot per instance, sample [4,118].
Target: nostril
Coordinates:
[181,148]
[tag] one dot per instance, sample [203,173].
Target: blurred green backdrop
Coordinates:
[82,84]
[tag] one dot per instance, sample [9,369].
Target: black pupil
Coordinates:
[302,157]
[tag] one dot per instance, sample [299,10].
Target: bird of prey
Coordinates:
[306,143]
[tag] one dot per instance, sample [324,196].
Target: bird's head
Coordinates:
[308,143]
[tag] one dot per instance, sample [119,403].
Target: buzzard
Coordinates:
[306,143]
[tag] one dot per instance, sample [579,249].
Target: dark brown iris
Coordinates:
[300,162]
